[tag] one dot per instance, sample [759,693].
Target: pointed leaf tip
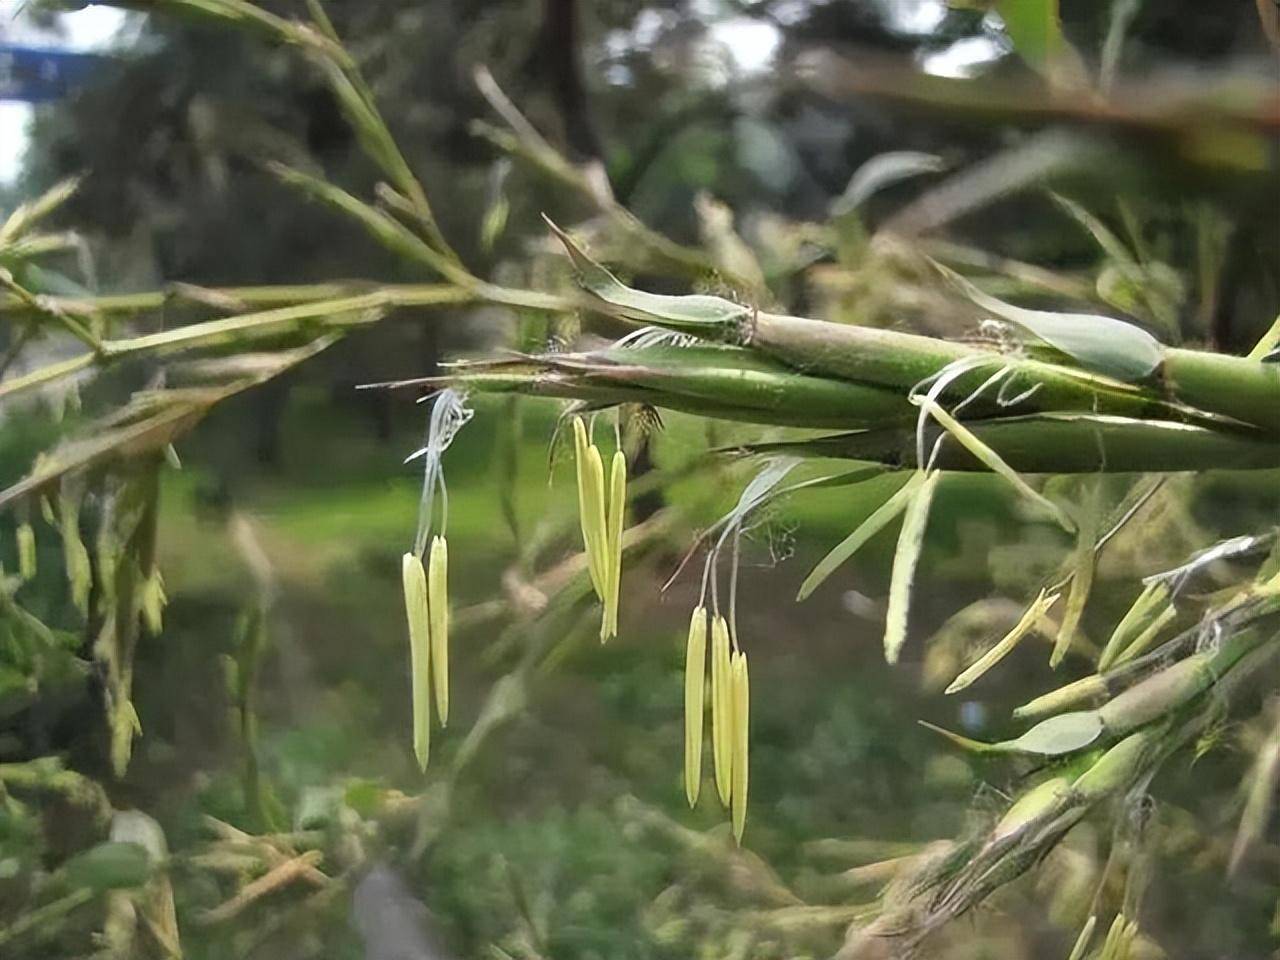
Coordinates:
[695,313]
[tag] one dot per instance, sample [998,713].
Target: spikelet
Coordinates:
[438,616]
[415,603]
[26,552]
[695,676]
[741,726]
[721,709]
[613,550]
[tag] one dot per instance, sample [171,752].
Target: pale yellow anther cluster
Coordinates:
[730,716]
[601,518]
[426,601]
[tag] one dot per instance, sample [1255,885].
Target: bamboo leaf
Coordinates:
[869,527]
[884,170]
[696,313]
[1056,736]
[1101,344]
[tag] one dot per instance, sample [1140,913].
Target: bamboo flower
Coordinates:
[601,519]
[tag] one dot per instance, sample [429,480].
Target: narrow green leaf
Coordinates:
[869,527]
[696,313]
[1056,736]
[992,460]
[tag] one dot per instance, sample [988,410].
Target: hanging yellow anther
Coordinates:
[613,544]
[415,604]
[721,709]
[695,676]
[438,615]
[741,688]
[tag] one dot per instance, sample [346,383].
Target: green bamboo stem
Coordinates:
[44,309]
[1238,387]
[903,360]
[145,301]
[47,374]
[1056,443]
[729,376]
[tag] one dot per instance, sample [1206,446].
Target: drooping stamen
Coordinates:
[414,582]
[438,615]
[695,669]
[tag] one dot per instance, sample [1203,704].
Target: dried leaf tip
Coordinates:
[695,671]
[415,602]
[438,618]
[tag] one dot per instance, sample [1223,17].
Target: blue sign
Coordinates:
[37,75]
